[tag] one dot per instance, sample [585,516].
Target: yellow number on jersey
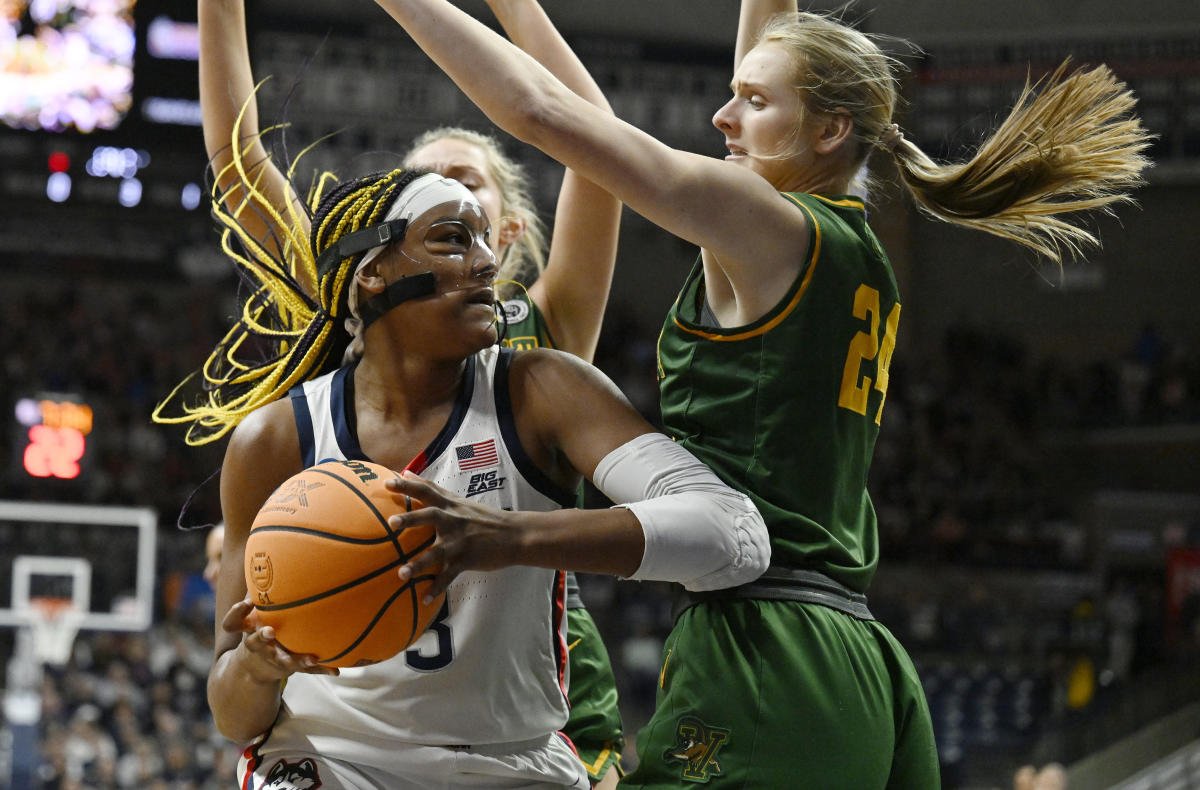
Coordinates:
[866,347]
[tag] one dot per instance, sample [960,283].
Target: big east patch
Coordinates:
[485,481]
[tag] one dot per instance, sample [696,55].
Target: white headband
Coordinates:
[414,200]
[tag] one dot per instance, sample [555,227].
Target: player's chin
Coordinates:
[469,337]
[484,333]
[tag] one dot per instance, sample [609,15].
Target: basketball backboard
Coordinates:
[99,557]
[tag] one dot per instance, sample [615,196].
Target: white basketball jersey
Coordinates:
[493,667]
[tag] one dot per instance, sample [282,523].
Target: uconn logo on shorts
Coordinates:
[302,775]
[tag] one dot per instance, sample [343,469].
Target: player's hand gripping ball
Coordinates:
[321,566]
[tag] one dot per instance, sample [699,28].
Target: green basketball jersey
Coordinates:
[527,327]
[787,409]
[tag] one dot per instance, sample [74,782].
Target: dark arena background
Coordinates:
[1037,478]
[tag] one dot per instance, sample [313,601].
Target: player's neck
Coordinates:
[405,387]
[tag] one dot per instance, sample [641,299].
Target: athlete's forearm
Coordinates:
[591,541]
[526,25]
[678,522]
[508,85]
[226,80]
[753,15]
[697,530]
[229,114]
[243,706]
[573,290]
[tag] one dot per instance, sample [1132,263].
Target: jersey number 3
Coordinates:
[865,348]
[441,658]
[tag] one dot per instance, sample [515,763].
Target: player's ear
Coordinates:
[832,131]
[510,229]
[368,277]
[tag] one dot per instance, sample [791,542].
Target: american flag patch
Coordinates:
[477,455]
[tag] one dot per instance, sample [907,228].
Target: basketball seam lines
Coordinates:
[322,534]
[371,505]
[412,631]
[277,607]
[378,616]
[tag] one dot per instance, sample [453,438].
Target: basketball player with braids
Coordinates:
[562,307]
[479,699]
[773,362]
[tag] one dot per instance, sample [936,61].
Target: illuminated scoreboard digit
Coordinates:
[52,435]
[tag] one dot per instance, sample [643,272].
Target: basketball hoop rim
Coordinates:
[53,624]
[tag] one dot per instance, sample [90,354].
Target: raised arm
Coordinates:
[227,91]
[526,25]
[705,201]
[573,290]
[751,18]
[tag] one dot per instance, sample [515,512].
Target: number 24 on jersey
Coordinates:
[866,348]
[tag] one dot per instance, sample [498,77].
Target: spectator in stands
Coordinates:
[213,544]
[1049,777]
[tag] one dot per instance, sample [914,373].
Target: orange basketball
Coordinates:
[322,562]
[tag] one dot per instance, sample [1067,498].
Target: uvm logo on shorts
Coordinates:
[696,746]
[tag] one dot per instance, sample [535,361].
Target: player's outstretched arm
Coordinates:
[573,290]
[245,683]
[678,521]
[751,18]
[572,293]
[673,189]
[229,115]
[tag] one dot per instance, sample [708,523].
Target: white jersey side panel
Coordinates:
[492,668]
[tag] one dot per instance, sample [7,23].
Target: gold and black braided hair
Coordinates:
[283,336]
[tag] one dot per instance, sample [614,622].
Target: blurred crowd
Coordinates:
[129,710]
[1015,626]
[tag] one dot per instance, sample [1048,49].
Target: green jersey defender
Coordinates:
[787,410]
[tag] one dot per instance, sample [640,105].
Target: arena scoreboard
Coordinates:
[99,115]
[52,433]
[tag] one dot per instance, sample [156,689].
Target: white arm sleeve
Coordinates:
[699,531]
